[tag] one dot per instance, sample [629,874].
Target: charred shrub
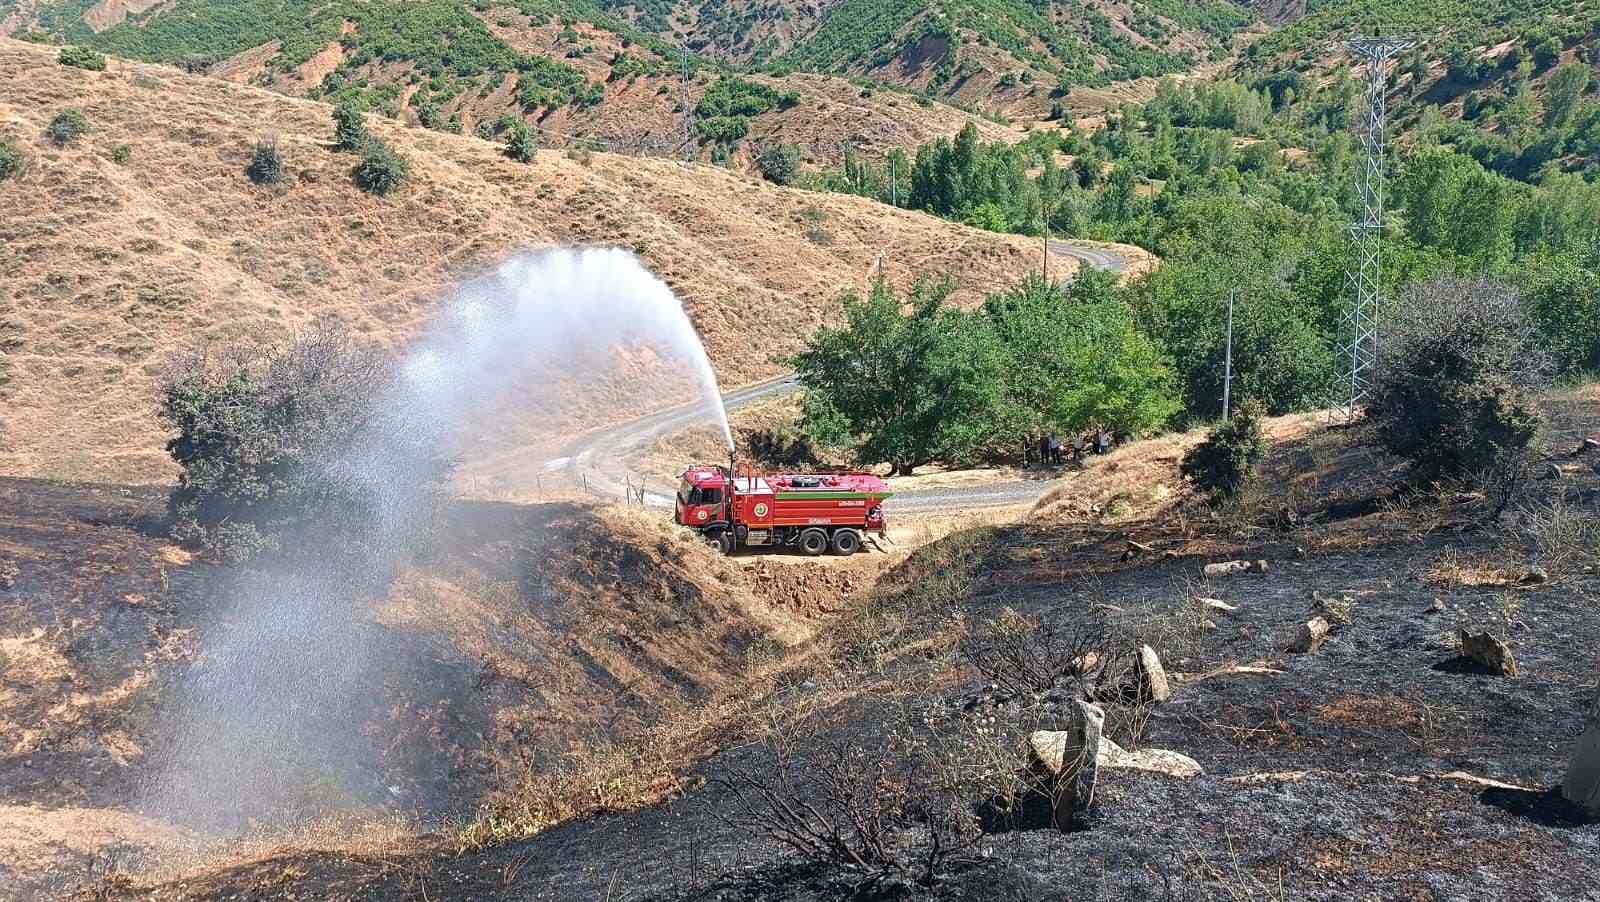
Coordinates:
[266,162]
[880,813]
[1229,455]
[381,170]
[269,439]
[82,58]
[1023,657]
[1454,391]
[67,127]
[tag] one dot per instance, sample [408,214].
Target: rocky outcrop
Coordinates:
[1490,652]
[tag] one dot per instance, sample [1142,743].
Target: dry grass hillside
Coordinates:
[108,267]
[530,639]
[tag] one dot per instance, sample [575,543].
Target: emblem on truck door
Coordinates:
[761,509]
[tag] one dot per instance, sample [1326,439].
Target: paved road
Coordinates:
[600,457]
[1091,255]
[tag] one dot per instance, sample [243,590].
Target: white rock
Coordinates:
[1157,761]
[1582,786]
[1153,684]
[1312,634]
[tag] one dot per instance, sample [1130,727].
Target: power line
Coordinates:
[1363,321]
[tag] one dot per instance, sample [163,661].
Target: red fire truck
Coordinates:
[814,513]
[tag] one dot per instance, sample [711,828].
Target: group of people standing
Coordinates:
[1053,453]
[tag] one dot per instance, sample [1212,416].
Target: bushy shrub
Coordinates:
[122,154]
[82,58]
[1454,389]
[1228,457]
[266,162]
[67,127]
[349,125]
[382,170]
[779,163]
[264,433]
[12,161]
[522,144]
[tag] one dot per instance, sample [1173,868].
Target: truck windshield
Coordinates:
[705,496]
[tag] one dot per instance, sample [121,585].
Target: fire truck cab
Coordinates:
[812,512]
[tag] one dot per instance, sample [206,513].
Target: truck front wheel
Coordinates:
[846,542]
[724,542]
[813,542]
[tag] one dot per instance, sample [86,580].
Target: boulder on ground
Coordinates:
[1553,471]
[1582,786]
[1158,761]
[1226,568]
[1589,446]
[1491,652]
[1536,576]
[1310,636]
[1064,764]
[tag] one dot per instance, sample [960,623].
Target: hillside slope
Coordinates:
[110,267]
[987,52]
[574,71]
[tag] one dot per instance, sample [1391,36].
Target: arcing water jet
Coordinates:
[271,722]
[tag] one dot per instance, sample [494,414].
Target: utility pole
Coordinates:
[1363,322]
[894,181]
[688,116]
[1227,364]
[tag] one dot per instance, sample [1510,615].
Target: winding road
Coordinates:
[599,459]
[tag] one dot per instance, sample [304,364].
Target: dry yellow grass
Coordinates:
[107,268]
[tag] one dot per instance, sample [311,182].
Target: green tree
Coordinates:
[1454,389]
[522,144]
[1451,202]
[1563,91]
[779,163]
[350,125]
[266,162]
[82,58]
[381,170]
[1075,360]
[1563,292]
[906,388]
[12,160]
[67,127]
[1228,457]
[258,432]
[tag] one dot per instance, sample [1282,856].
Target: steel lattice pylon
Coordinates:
[1362,320]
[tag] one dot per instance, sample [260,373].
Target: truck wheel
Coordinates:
[813,542]
[724,542]
[846,542]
